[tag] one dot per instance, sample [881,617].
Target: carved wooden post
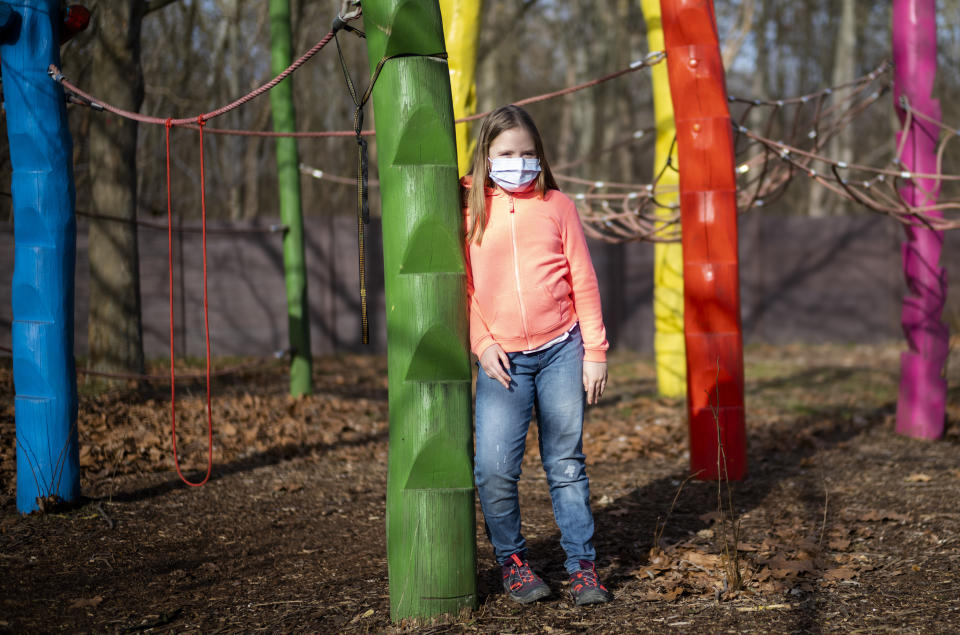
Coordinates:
[44,372]
[431,549]
[288,186]
[461,26]
[668,340]
[708,206]
[921,404]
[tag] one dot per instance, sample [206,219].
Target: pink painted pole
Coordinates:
[923,389]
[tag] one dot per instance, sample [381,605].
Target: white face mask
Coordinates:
[514,173]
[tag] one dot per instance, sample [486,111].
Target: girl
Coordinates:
[537,330]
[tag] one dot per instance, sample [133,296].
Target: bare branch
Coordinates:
[156,5]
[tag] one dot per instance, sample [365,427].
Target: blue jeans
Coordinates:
[552,382]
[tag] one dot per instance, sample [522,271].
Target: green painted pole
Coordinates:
[288,186]
[431,542]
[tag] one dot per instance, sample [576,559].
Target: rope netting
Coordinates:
[767,164]
[765,167]
[620,211]
[623,212]
[877,188]
[199,123]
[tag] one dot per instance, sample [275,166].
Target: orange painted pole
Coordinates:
[708,208]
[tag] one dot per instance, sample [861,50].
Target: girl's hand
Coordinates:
[594,380]
[495,363]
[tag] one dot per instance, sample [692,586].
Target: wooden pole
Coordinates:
[668,339]
[431,548]
[461,26]
[711,268]
[288,186]
[41,153]
[921,405]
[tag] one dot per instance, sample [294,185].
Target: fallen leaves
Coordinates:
[85,603]
[787,558]
[782,566]
[840,573]
[839,544]
[874,515]
[671,595]
[362,616]
[129,432]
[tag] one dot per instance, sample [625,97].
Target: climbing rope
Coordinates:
[765,175]
[199,122]
[206,321]
[93,102]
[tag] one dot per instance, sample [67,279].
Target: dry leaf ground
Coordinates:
[843,525]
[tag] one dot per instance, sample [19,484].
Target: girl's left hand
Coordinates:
[594,380]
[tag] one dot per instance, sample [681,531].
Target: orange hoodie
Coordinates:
[531,278]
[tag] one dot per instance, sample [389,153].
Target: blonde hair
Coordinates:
[498,121]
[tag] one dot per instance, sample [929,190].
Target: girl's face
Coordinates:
[513,143]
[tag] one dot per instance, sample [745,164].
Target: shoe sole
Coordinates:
[533,596]
[592,596]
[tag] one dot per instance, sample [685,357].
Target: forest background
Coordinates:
[174,58]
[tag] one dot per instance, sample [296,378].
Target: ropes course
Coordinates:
[769,165]
[622,212]
[878,189]
[618,211]
[198,123]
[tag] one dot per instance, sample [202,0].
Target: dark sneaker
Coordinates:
[520,583]
[585,587]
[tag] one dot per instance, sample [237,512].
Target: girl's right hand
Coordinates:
[495,363]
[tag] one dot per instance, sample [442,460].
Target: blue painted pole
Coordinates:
[45,232]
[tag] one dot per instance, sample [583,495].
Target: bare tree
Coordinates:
[840,147]
[114,329]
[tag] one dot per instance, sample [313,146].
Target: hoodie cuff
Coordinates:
[483,344]
[594,355]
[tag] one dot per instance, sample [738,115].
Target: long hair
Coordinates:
[502,119]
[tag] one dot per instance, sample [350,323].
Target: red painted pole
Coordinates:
[708,208]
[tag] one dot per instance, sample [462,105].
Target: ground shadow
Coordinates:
[626,527]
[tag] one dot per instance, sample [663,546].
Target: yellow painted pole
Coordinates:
[461,26]
[668,339]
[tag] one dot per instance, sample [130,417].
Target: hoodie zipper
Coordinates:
[516,272]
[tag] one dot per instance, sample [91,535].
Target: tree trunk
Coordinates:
[431,550]
[114,331]
[840,147]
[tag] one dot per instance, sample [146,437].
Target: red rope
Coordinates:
[190,122]
[58,76]
[206,321]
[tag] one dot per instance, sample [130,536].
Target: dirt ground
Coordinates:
[844,526]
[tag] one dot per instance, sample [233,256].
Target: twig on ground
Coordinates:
[826,502]
[103,513]
[658,531]
[731,557]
